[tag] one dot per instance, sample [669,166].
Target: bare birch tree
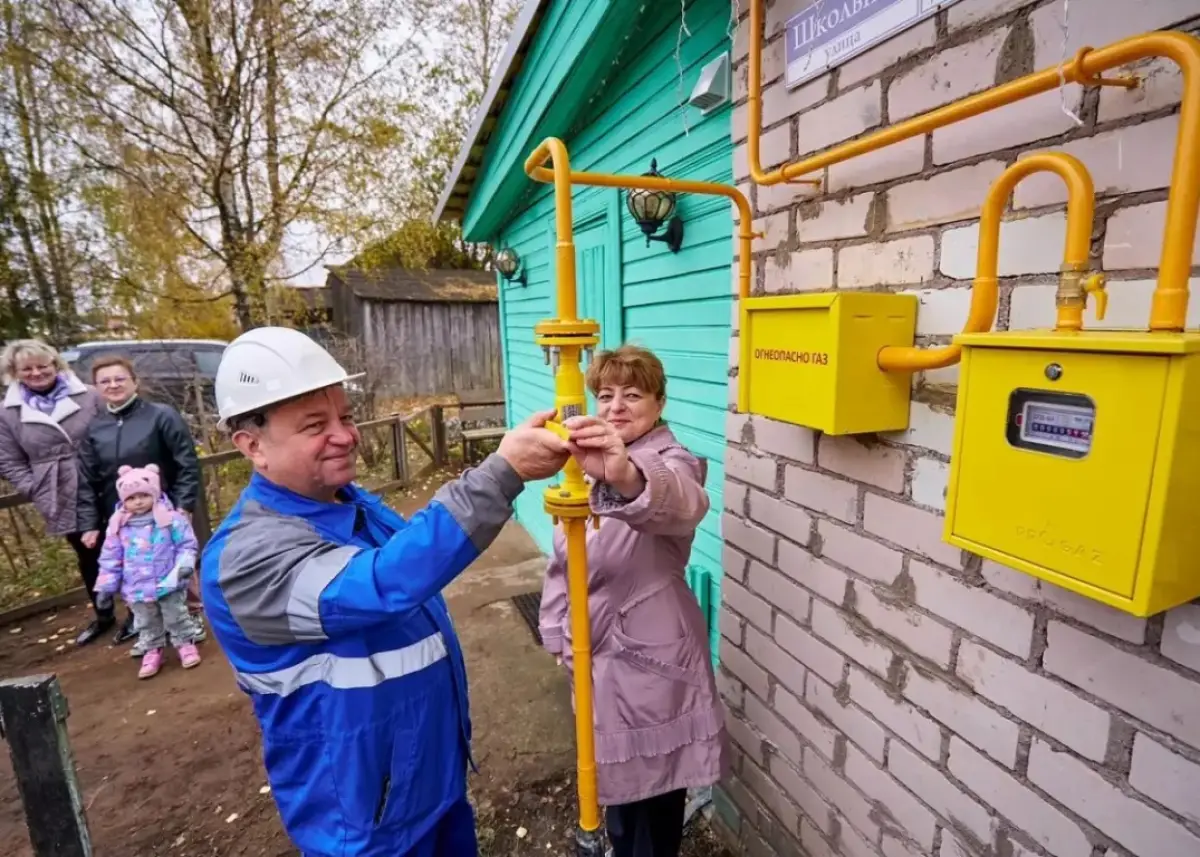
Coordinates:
[237,120]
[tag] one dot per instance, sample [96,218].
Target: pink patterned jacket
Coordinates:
[659,720]
[136,558]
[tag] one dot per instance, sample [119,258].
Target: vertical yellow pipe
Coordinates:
[1168,307]
[581,651]
[564,338]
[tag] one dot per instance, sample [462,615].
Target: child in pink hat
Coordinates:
[149,554]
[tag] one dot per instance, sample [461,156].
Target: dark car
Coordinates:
[178,372]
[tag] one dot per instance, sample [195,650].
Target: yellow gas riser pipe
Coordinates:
[581,653]
[566,336]
[1168,311]
[985,294]
[569,392]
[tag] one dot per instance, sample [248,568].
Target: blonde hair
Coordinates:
[628,366]
[17,349]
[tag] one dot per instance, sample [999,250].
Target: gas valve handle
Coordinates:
[1093,285]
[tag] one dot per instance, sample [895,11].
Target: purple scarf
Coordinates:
[47,401]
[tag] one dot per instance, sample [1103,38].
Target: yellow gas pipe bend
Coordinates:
[985,293]
[534,169]
[1168,311]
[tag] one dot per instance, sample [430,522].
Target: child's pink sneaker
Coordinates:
[151,663]
[189,655]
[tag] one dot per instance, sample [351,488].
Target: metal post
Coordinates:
[399,452]
[33,720]
[437,419]
[200,522]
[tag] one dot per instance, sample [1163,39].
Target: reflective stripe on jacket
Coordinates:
[332,618]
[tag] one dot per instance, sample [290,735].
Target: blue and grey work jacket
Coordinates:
[332,618]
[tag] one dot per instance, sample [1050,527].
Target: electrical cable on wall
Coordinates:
[683,29]
[1065,26]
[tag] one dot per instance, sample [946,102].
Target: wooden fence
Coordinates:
[396,451]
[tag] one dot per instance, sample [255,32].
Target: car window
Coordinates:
[207,360]
[160,361]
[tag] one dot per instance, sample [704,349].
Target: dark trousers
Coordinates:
[89,570]
[648,828]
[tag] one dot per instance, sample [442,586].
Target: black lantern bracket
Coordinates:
[652,208]
[672,236]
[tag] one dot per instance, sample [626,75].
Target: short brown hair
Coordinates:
[104,361]
[628,366]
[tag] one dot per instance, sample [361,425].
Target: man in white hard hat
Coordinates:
[328,606]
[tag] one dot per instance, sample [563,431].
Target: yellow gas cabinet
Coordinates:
[1077,460]
[812,360]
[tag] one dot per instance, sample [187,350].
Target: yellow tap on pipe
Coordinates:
[1168,311]
[985,293]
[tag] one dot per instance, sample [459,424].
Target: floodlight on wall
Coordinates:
[651,208]
[508,263]
[712,89]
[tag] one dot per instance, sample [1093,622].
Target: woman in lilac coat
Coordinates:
[659,721]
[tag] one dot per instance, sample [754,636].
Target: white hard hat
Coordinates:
[268,365]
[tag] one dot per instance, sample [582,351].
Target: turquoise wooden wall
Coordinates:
[679,305]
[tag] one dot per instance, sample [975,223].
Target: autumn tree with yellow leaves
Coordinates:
[159,156]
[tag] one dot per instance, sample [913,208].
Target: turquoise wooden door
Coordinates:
[598,265]
[597,273]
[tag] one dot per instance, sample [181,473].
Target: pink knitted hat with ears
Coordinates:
[140,480]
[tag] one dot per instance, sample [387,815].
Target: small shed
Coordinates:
[428,331]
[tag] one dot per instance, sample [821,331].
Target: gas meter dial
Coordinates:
[1054,423]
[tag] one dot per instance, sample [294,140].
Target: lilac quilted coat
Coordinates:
[659,720]
[143,553]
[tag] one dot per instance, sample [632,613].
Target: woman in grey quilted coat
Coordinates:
[45,414]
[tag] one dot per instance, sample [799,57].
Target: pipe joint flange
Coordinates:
[578,327]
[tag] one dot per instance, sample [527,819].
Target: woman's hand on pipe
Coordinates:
[602,455]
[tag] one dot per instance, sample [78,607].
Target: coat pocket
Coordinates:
[372,772]
[418,780]
[655,675]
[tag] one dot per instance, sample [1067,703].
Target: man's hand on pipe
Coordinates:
[532,450]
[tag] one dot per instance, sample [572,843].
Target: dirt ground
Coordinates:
[172,766]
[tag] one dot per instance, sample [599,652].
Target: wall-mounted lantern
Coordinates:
[651,208]
[508,263]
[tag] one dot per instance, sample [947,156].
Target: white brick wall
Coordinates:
[950,75]
[901,262]
[953,195]
[926,702]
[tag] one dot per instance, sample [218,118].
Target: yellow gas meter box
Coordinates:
[811,360]
[1077,460]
